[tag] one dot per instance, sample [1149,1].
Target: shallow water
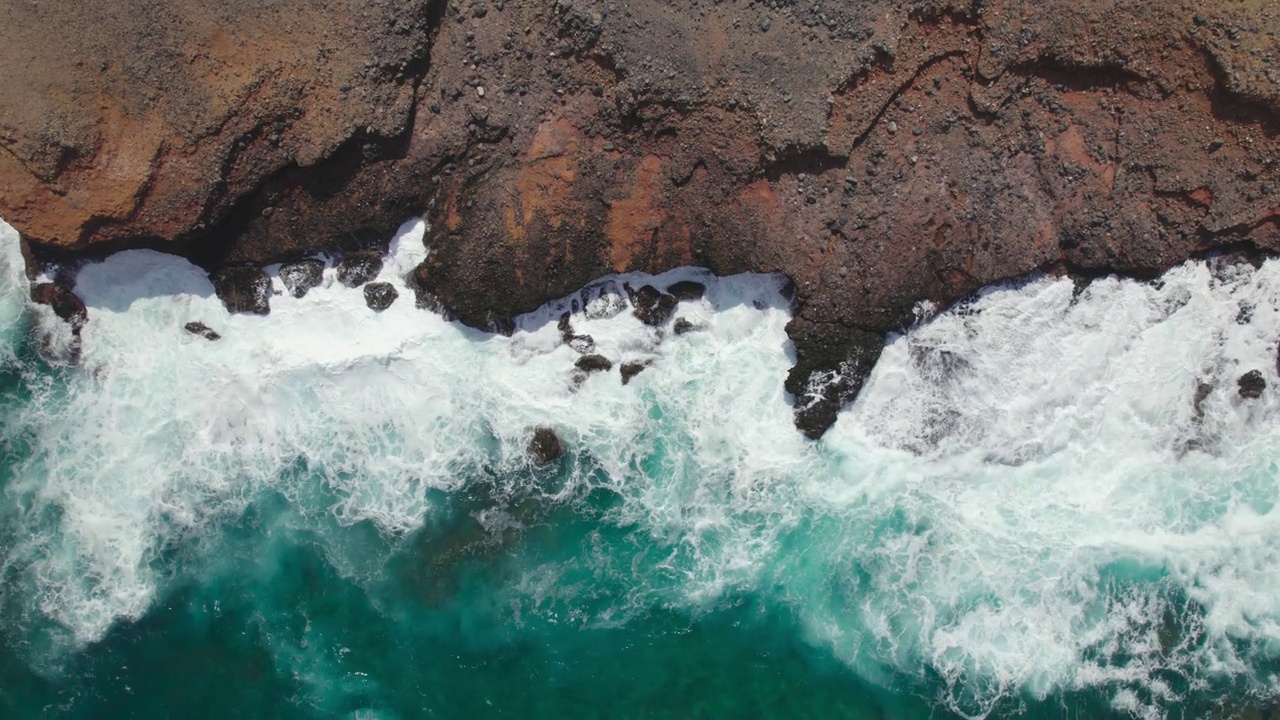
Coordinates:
[329,512]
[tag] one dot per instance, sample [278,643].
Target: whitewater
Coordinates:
[1045,494]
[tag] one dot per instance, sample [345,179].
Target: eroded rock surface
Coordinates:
[877,152]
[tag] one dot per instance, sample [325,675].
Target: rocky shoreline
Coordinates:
[877,153]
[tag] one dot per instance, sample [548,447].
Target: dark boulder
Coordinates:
[204,331]
[820,393]
[544,447]
[243,290]
[683,325]
[379,295]
[687,290]
[358,268]
[631,369]
[653,307]
[64,303]
[593,363]
[565,326]
[1251,384]
[301,276]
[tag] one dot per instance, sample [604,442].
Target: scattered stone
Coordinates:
[584,344]
[544,447]
[204,331]
[243,290]
[593,363]
[379,295]
[1203,390]
[682,326]
[1216,144]
[301,276]
[653,307]
[1251,385]
[606,303]
[65,304]
[687,290]
[631,369]
[358,268]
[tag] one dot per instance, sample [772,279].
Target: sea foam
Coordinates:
[1040,490]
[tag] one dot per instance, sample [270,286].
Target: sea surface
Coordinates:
[1049,502]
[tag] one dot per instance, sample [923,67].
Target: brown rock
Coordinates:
[65,304]
[243,290]
[299,277]
[1069,134]
[358,268]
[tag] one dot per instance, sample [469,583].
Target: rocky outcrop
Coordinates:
[198,328]
[544,447]
[299,277]
[243,289]
[877,152]
[379,295]
[1251,385]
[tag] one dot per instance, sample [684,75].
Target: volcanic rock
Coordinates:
[593,363]
[204,331]
[1002,138]
[682,326]
[301,276]
[379,295]
[687,290]
[1251,385]
[653,307]
[65,304]
[358,268]
[544,447]
[243,290]
[631,369]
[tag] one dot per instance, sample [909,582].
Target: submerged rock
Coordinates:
[243,290]
[653,307]
[683,325]
[204,331]
[379,295]
[593,363]
[631,369]
[584,344]
[1251,384]
[544,447]
[65,304]
[687,290]
[358,268]
[301,276]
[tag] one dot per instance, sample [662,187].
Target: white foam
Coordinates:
[1021,496]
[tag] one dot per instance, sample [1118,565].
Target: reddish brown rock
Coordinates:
[877,152]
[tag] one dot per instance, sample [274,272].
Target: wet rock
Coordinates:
[687,290]
[544,447]
[65,304]
[1251,384]
[631,369]
[243,290]
[653,307]
[602,303]
[683,325]
[593,363]
[819,392]
[379,295]
[358,268]
[204,331]
[1203,390]
[419,282]
[584,344]
[301,276]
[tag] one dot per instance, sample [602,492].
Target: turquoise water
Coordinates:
[329,514]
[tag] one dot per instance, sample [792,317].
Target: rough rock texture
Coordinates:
[243,290]
[544,447]
[299,277]
[1251,385]
[379,295]
[877,152]
[198,328]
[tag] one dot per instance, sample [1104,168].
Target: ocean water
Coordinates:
[1047,503]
